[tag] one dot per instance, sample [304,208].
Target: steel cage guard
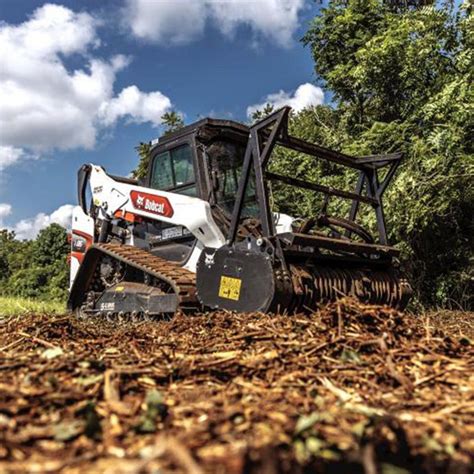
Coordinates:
[273,130]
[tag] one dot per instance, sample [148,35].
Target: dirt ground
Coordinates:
[351,388]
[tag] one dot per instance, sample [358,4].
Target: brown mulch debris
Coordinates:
[455,323]
[351,388]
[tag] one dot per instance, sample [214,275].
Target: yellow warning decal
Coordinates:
[230,288]
[119,288]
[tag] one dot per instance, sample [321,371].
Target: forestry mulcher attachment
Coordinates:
[200,233]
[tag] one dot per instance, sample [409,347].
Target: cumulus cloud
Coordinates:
[274,19]
[306,95]
[139,106]
[44,105]
[29,228]
[178,22]
[167,21]
[9,155]
[5,211]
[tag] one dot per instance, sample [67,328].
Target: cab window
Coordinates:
[226,161]
[174,171]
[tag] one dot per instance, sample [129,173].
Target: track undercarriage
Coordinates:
[127,282]
[124,281]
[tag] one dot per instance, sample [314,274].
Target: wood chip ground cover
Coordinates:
[351,388]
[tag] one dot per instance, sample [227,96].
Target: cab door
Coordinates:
[173,169]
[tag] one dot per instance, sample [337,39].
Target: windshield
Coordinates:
[226,161]
[174,171]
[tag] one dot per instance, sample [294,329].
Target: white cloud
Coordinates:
[139,106]
[274,19]
[44,105]
[306,95]
[29,228]
[166,21]
[175,22]
[5,211]
[9,155]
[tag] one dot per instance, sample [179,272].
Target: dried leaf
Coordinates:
[90,380]
[67,430]
[349,355]
[52,353]
[306,421]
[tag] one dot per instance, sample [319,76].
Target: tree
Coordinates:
[173,121]
[401,78]
[261,114]
[6,239]
[35,268]
[51,245]
[15,255]
[143,150]
[50,252]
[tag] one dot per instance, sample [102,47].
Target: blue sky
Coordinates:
[85,81]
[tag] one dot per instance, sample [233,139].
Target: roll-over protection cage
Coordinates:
[273,130]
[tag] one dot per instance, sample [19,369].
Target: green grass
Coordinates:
[12,306]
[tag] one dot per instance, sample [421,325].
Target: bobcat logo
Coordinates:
[151,203]
[209,259]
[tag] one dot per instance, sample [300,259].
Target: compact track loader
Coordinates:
[199,232]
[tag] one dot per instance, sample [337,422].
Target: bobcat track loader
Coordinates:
[200,233]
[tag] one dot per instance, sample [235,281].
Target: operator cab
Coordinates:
[202,160]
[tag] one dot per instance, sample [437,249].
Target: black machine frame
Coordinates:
[273,130]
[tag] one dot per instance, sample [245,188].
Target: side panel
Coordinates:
[82,239]
[193,213]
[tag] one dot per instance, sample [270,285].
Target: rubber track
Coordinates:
[182,281]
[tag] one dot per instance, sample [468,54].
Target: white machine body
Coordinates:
[116,200]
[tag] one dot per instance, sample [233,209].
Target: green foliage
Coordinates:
[317,125]
[15,305]
[143,150]
[15,256]
[50,246]
[172,121]
[402,80]
[37,268]
[261,114]
[155,411]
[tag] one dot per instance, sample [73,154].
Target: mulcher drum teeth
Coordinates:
[318,284]
[166,275]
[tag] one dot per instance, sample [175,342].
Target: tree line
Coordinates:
[35,268]
[401,74]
